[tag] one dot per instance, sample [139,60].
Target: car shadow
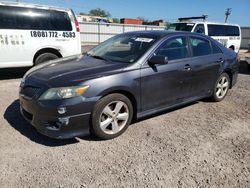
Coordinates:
[135,121]
[244,68]
[14,118]
[12,73]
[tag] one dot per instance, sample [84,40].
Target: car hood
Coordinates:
[72,70]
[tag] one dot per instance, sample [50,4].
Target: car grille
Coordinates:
[30,91]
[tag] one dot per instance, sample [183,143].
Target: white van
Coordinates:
[227,34]
[32,34]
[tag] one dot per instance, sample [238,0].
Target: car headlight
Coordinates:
[63,92]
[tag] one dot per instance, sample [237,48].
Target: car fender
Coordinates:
[125,82]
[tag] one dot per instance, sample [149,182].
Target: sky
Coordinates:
[169,10]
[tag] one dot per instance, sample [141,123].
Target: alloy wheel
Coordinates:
[114,117]
[222,87]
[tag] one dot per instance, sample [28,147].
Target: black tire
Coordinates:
[45,57]
[232,48]
[215,97]
[98,112]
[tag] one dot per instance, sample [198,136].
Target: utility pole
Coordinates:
[227,13]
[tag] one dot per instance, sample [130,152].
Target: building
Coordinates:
[156,22]
[131,21]
[88,18]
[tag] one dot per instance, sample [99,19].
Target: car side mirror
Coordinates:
[158,59]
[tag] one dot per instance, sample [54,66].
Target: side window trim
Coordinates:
[201,38]
[214,44]
[157,45]
[168,39]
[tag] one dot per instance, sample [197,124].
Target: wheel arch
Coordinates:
[129,95]
[46,50]
[232,47]
[230,74]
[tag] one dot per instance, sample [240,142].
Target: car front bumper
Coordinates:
[45,116]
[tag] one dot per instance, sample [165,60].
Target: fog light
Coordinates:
[61,110]
[63,121]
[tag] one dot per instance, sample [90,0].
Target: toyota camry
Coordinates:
[129,76]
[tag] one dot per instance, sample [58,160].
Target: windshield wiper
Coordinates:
[98,57]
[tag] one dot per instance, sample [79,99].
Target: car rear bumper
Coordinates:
[234,79]
[44,116]
[235,73]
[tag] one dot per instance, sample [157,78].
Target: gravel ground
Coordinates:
[203,144]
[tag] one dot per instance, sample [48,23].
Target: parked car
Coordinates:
[227,34]
[32,34]
[131,75]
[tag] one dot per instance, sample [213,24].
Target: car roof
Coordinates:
[163,33]
[215,23]
[31,5]
[157,33]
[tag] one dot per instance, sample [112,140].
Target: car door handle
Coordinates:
[187,67]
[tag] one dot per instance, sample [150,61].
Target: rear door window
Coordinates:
[175,48]
[34,19]
[215,49]
[200,47]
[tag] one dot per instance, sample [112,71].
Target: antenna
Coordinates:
[227,13]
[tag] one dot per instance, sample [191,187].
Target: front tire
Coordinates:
[45,57]
[111,116]
[221,87]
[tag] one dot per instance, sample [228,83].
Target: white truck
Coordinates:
[32,34]
[227,34]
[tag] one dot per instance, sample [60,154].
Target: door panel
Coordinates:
[205,70]
[164,85]
[205,66]
[15,48]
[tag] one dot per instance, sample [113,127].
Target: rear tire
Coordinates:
[232,48]
[45,57]
[111,116]
[221,88]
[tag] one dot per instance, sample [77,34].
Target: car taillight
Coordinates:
[77,26]
[238,58]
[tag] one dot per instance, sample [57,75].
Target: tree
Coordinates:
[116,20]
[140,18]
[99,12]
[167,23]
[145,21]
[82,13]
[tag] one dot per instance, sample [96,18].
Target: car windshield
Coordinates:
[181,26]
[125,48]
